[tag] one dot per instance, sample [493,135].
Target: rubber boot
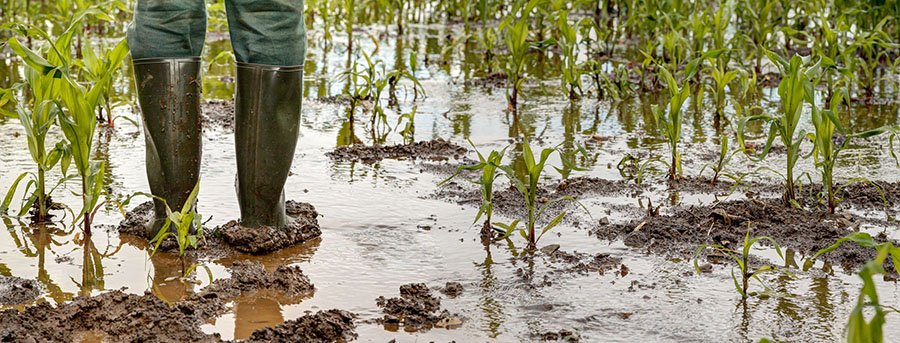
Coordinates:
[169,96]
[267,127]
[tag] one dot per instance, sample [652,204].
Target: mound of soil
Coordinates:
[136,220]
[581,263]
[266,239]
[415,309]
[217,114]
[557,336]
[126,317]
[324,326]
[15,290]
[726,223]
[435,150]
[452,289]
[145,318]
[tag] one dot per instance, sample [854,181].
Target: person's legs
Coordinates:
[166,39]
[269,40]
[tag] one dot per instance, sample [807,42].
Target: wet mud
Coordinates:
[16,291]
[434,150]
[726,223]
[122,317]
[415,309]
[562,335]
[323,326]
[233,236]
[217,114]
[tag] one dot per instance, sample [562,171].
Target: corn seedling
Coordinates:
[184,225]
[568,44]
[742,259]
[94,69]
[516,38]
[534,167]
[488,168]
[721,78]
[718,167]
[795,89]
[409,130]
[670,122]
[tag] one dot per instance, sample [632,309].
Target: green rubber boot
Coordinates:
[169,96]
[267,127]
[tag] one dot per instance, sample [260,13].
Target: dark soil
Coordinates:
[217,114]
[582,263]
[16,291]
[146,318]
[304,227]
[415,309]
[324,326]
[726,223]
[558,336]
[452,289]
[266,239]
[497,79]
[435,150]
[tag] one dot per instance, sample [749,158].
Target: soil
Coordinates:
[497,79]
[217,114]
[324,326]
[16,291]
[561,336]
[452,289]
[415,309]
[435,150]
[266,239]
[581,263]
[146,318]
[726,223]
[232,235]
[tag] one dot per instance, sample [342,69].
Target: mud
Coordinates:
[217,114]
[17,291]
[323,326]
[415,309]
[452,289]
[726,223]
[497,79]
[562,335]
[233,236]
[435,150]
[145,318]
[581,263]
[261,240]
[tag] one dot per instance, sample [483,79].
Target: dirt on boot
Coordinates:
[266,239]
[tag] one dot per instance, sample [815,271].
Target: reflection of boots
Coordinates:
[169,94]
[267,127]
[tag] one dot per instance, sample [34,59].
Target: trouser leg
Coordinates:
[269,40]
[166,39]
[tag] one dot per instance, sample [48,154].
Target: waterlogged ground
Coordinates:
[386,223]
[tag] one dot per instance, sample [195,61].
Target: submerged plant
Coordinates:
[488,168]
[795,89]
[534,167]
[742,259]
[669,122]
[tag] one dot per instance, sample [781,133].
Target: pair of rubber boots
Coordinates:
[266,124]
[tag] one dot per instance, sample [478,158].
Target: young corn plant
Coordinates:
[742,259]
[829,139]
[568,44]
[795,89]
[185,226]
[516,37]
[670,122]
[94,68]
[488,167]
[721,78]
[534,167]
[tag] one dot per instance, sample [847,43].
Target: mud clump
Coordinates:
[581,263]
[217,114]
[266,239]
[435,150]
[16,291]
[726,223]
[127,317]
[324,326]
[558,336]
[415,309]
[452,289]
[135,222]
[247,277]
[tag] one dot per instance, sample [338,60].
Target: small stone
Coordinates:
[550,249]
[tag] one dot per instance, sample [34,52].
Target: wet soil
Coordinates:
[16,291]
[415,309]
[726,223]
[233,236]
[435,150]
[558,336]
[323,326]
[261,240]
[145,318]
[217,114]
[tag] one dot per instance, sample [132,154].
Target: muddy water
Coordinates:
[381,228]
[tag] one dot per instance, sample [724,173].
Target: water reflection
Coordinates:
[92,275]
[490,306]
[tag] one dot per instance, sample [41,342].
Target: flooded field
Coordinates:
[619,266]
